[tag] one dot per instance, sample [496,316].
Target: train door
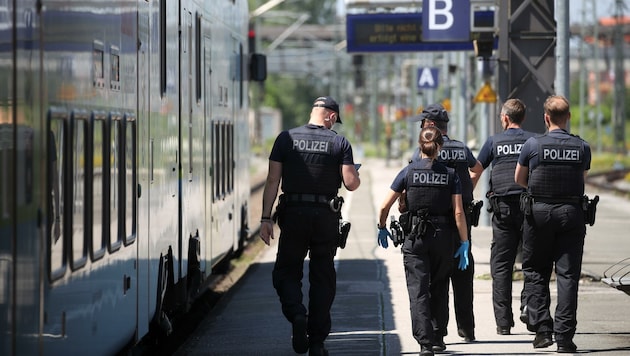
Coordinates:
[192,141]
[21,179]
[185,137]
[144,150]
[7,189]
[220,160]
[209,231]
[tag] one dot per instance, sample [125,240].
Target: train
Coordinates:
[124,165]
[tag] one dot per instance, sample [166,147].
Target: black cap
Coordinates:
[329,103]
[434,112]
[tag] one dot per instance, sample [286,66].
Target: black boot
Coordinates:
[426,350]
[438,344]
[300,338]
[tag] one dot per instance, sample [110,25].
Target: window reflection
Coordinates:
[98,190]
[114,184]
[55,221]
[130,180]
[78,251]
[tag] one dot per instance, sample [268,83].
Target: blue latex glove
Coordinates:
[383,234]
[462,253]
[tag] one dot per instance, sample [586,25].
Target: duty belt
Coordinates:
[557,200]
[306,198]
[436,219]
[333,203]
[439,219]
[509,198]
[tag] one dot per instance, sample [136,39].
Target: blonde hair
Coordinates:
[557,108]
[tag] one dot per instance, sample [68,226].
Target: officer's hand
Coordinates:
[383,234]
[462,253]
[266,231]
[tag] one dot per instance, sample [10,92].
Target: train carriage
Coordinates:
[123,165]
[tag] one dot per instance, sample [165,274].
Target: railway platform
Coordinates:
[370,315]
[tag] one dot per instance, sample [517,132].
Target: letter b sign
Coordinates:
[446,20]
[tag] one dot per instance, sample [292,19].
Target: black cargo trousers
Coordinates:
[462,281]
[507,234]
[428,266]
[307,228]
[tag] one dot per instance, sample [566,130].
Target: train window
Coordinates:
[241,70]
[198,74]
[98,65]
[163,46]
[114,179]
[224,159]
[230,157]
[56,219]
[217,159]
[130,179]
[114,75]
[99,167]
[78,183]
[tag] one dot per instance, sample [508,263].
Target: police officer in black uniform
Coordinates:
[553,167]
[312,161]
[457,155]
[433,199]
[502,151]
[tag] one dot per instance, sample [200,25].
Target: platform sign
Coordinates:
[446,20]
[394,32]
[427,78]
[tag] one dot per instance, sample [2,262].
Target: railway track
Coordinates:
[610,181]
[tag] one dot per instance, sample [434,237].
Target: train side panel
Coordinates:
[20,179]
[124,166]
[89,57]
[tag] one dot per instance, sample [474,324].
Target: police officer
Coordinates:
[311,161]
[552,167]
[457,155]
[502,151]
[433,198]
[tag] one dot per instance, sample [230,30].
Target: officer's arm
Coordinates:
[475,173]
[460,217]
[269,197]
[350,176]
[520,175]
[387,204]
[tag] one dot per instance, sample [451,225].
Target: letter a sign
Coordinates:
[446,20]
[427,78]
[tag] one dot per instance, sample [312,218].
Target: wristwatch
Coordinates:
[379,226]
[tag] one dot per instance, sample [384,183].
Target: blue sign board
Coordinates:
[427,78]
[395,32]
[444,21]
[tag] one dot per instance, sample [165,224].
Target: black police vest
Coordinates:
[506,149]
[454,155]
[560,172]
[312,165]
[429,188]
